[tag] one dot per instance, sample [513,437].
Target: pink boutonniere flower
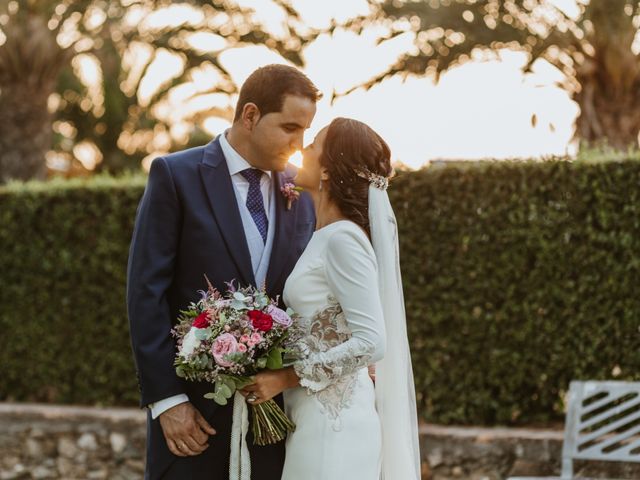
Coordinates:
[291,193]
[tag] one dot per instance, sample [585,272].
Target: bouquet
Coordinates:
[226,339]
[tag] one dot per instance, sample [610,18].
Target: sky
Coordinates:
[482,109]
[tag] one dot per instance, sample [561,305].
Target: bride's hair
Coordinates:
[351,147]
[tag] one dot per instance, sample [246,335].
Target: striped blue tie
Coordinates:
[255,203]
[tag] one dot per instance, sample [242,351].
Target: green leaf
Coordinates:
[203,360]
[222,389]
[274,360]
[241,382]
[228,381]
[220,400]
[261,362]
[238,305]
[203,333]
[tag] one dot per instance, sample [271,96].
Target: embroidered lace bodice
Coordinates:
[334,288]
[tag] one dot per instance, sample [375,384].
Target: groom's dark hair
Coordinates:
[267,87]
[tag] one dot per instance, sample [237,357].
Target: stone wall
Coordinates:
[47,442]
[80,443]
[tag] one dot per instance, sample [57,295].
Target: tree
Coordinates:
[45,104]
[593,46]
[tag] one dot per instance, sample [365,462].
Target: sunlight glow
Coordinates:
[215,125]
[206,41]
[296,159]
[87,68]
[88,154]
[484,108]
[163,68]
[172,16]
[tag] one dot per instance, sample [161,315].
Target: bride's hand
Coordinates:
[268,384]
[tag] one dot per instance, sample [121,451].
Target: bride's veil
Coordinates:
[395,393]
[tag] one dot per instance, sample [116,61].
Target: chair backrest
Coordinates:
[603,423]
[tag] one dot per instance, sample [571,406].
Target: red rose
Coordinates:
[260,321]
[201,321]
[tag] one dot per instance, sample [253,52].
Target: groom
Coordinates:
[216,210]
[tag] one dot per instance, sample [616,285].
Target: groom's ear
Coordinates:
[250,115]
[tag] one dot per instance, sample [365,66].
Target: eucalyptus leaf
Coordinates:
[236,357]
[228,381]
[223,390]
[238,305]
[202,333]
[261,301]
[240,297]
[203,360]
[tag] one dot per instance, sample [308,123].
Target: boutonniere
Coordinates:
[291,193]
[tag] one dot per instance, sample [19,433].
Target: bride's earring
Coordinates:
[323,178]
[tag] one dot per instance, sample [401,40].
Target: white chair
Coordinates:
[602,424]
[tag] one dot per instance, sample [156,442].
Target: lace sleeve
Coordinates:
[321,369]
[350,334]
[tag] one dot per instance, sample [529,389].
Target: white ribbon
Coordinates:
[240,461]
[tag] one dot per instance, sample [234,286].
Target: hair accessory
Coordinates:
[376,180]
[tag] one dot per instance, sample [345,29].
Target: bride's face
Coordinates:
[308,176]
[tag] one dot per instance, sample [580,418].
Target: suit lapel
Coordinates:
[285,221]
[219,187]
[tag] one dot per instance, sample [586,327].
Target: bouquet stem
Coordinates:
[270,424]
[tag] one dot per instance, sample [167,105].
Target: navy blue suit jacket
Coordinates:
[188,224]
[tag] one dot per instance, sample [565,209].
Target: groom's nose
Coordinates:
[297,142]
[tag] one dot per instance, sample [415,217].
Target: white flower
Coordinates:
[189,343]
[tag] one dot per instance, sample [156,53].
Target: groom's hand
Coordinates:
[185,430]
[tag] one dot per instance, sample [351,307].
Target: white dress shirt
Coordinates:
[236,164]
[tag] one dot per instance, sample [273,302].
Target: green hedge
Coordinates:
[63,255]
[519,276]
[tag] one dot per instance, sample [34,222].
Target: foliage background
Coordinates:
[519,277]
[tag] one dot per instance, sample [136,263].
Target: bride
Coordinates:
[347,289]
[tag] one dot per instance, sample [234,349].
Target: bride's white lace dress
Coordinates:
[334,287]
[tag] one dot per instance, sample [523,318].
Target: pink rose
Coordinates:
[242,347]
[245,338]
[255,339]
[279,316]
[224,345]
